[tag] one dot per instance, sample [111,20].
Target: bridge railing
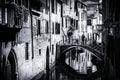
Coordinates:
[99,47]
[69,41]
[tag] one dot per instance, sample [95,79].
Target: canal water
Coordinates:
[60,72]
[82,61]
[74,67]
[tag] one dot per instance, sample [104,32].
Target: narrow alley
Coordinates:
[59,40]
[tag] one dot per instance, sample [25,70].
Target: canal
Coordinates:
[63,72]
[78,64]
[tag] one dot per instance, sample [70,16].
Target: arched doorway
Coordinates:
[11,68]
[47,63]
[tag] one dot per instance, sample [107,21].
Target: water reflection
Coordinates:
[79,64]
[60,72]
[81,60]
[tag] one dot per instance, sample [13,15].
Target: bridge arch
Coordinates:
[82,48]
[94,53]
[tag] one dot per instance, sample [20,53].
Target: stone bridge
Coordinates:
[62,49]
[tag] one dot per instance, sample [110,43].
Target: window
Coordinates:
[47,3]
[47,27]
[72,21]
[57,28]
[3,15]
[26,51]
[77,13]
[47,6]
[0,15]
[40,52]
[89,22]
[52,49]
[53,5]
[66,21]
[56,6]
[82,5]
[56,47]
[25,3]
[53,28]
[38,27]
[18,2]
[76,5]
[35,5]
[76,24]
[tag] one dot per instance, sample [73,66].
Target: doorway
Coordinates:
[47,63]
[11,68]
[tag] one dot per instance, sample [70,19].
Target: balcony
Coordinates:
[9,26]
[8,33]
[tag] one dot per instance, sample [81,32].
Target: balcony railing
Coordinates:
[10,23]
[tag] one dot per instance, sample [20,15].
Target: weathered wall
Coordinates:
[23,37]
[40,42]
[28,68]
[56,18]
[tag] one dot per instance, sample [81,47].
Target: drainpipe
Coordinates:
[31,31]
[1,61]
[49,51]
[50,22]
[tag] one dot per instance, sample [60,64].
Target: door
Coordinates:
[11,68]
[47,63]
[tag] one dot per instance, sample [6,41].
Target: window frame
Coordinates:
[40,52]
[26,51]
[38,27]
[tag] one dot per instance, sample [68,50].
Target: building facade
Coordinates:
[74,19]
[30,31]
[15,44]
